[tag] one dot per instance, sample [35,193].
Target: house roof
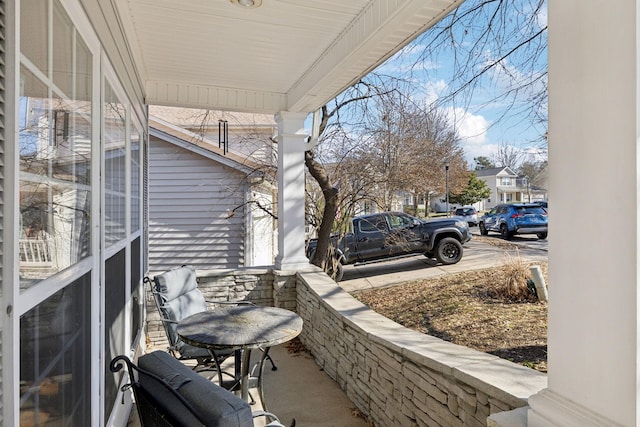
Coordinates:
[500,171]
[286,55]
[190,118]
[202,146]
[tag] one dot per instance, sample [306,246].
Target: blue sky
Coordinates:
[484,121]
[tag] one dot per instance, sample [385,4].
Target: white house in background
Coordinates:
[206,208]
[507,187]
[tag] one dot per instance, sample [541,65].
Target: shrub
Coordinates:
[513,283]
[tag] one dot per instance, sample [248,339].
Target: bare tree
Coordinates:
[508,155]
[410,146]
[346,112]
[386,152]
[535,173]
[496,44]
[385,144]
[436,144]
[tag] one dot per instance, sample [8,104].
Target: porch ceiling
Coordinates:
[290,55]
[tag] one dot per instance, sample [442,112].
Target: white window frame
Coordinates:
[17,302]
[20,303]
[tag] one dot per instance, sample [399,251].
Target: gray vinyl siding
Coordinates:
[190,198]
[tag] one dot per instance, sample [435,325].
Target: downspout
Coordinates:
[248,230]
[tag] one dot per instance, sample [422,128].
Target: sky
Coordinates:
[484,121]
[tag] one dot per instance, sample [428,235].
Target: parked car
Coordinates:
[387,235]
[469,214]
[516,218]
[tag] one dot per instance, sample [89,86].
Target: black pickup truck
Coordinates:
[386,235]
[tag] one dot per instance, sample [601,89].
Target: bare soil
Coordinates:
[473,309]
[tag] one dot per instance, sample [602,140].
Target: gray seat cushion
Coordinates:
[208,404]
[179,298]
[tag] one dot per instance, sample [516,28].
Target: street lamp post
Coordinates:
[446,180]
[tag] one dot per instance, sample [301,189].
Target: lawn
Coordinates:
[477,309]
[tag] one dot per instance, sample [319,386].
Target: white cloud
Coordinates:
[536,154]
[472,130]
[479,150]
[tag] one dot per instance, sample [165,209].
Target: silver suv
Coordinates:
[469,214]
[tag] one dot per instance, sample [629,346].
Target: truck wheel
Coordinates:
[337,271]
[449,251]
[310,254]
[483,229]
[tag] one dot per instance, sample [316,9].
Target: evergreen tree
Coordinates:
[483,162]
[475,191]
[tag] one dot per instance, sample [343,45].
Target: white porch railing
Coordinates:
[35,253]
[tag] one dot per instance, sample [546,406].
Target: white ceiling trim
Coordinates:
[212,97]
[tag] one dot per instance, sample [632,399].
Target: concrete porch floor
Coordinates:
[300,390]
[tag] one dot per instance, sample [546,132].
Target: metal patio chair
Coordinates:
[167,393]
[177,296]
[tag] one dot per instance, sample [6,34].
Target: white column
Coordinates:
[291,186]
[594,216]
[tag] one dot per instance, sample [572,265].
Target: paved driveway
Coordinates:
[477,255]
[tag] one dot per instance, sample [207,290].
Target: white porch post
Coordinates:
[291,186]
[593,254]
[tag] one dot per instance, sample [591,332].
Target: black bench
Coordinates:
[167,393]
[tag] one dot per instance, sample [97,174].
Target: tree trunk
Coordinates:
[330,193]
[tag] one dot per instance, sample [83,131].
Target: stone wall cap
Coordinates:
[510,382]
[218,272]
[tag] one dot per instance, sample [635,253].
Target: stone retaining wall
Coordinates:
[400,377]
[395,376]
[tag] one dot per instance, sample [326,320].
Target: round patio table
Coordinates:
[241,328]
